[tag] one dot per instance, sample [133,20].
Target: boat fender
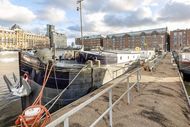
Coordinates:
[26,77]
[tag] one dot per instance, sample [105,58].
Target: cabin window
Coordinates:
[120,57]
[133,56]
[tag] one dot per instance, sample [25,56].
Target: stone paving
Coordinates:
[161,102]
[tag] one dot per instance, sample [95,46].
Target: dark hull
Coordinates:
[183,66]
[89,79]
[58,80]
[73,93]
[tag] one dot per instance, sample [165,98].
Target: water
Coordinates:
[10,106]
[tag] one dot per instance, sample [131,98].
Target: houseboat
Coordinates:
[82,71]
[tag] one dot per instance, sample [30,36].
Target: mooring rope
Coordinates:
[56,98]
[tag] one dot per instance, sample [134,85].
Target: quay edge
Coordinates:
[160,102]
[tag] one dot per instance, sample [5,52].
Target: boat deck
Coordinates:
[161,102]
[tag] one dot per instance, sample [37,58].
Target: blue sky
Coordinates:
[100,16]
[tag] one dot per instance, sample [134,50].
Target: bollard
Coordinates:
[97,62]
[90,64]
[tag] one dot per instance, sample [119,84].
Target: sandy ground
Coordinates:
[160,102]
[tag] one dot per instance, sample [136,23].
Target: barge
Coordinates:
[182,59]
[77,72]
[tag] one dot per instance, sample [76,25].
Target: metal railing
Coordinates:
[65,118]
[157,62]
[182,82]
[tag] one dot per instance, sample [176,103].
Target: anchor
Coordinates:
[18,88]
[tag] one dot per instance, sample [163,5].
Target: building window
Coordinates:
[175,38]
[142,42]
[133,41]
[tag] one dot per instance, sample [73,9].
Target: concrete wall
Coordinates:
[59,39]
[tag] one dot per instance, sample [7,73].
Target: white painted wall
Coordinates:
[185,57]
[147,54]
[123,58]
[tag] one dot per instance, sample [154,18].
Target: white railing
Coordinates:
[157,62]
[65,118]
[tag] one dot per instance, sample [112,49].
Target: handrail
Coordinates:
[65,118]
[183,86]
[182,82]
[158,60]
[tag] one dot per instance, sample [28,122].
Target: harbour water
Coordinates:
[10,106]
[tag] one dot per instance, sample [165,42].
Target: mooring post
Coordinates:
[128,94]
[110,108]
[24,100]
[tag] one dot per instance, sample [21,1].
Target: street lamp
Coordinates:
[80,9]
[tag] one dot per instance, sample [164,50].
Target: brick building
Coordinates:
[146,39]
[115,41]
[179,38]
[90,41]
[149,39]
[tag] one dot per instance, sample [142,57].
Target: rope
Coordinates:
[37,99]
[34,118]
[56,98]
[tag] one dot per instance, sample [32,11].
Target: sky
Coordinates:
[99,16]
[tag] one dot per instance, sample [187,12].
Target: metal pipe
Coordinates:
[81,30]
[81,22]
[110,106]
[66,122]
[138,84]
[128,94]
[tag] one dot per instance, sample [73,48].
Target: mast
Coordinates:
[81,30]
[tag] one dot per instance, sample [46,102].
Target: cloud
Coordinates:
[87,27]
[63,4]
[99,16]
[35,28]
[175,11]
[52,15]
[111,6]
[74,28]
[15,14]
[140,17]
[95,5]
